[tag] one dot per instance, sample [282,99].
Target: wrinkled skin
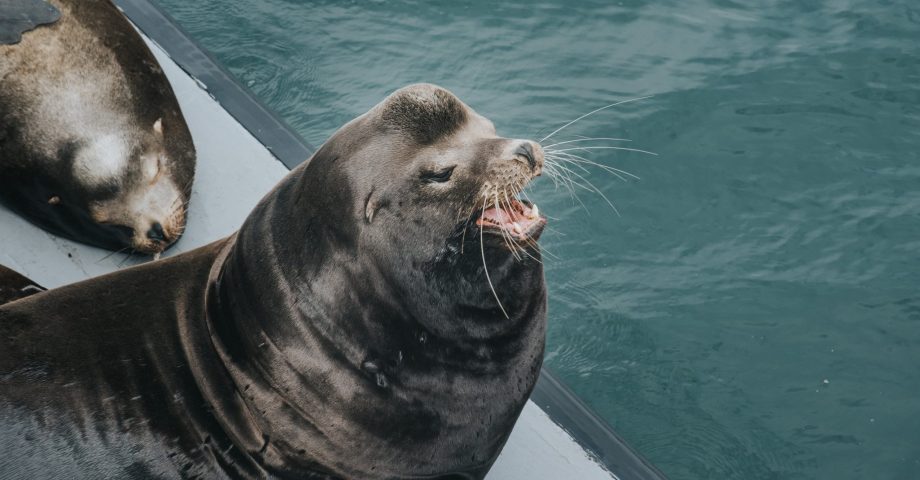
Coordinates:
[93,145]
[347,331]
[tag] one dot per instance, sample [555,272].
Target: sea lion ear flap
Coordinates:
[373,204]
[370,207]
[158,127]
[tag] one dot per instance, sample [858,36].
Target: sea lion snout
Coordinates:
[156,232]
[154,216]
[159,236]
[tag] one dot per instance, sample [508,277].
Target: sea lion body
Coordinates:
[349,330]
[93,145]
[94,387]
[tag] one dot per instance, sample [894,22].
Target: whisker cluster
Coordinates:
[566,169]
[566,165]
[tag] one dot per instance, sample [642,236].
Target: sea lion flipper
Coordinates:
[14,286]
[20,16]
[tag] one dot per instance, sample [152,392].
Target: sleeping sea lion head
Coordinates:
[124,189]
[142,203]
[383,308]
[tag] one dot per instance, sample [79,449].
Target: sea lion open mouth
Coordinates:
[519,219]
[502,212]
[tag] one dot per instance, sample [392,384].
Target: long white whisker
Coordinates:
[566,179]
[575,159]
[599,192]
[482,249]
[572,162]
[521,248]
[592,188]
[554,169]
[591,162]
[592,113]
[468,219]
[587,140]
[553,175]
[601,148]
[507,208]
[574,183]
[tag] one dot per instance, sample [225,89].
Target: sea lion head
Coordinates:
[423,187]
[390,291]
[142,203]
[449,201]
[123,189]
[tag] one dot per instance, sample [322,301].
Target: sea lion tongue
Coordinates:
[514,217]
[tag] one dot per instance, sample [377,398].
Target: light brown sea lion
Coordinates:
[93,145]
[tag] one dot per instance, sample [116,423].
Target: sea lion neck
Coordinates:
[274,325]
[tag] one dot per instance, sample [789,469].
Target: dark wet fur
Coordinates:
[88,365]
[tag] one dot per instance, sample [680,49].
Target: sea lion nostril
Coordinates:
[156,232]
[526,150]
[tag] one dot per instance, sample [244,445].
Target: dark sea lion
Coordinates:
[93,145]
[348,330]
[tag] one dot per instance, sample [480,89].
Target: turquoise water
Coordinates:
[754,311]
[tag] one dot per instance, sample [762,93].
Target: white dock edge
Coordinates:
[234,171]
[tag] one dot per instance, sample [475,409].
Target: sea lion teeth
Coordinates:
[535,212]
[517,228]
